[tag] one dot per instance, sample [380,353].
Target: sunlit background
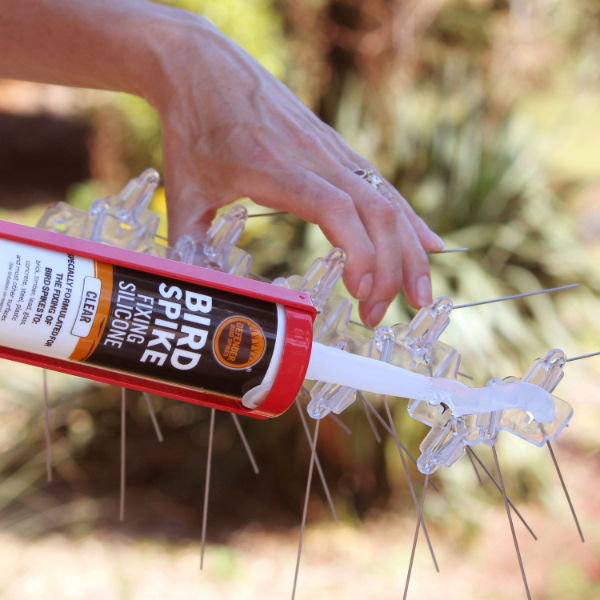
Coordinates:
[486,115]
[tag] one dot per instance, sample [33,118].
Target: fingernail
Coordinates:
[437,240]
[424,290]
[376,314]
[364,287]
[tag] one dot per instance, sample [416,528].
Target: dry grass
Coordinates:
[339,561]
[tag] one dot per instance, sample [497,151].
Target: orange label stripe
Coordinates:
[86,346]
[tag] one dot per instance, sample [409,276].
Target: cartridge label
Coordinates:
[130,321]
[88,306]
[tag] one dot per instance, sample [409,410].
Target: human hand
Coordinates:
[230,129]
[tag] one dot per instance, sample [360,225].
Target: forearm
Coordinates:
[104,44]
[229,130]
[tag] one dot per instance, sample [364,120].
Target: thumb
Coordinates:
[191,201]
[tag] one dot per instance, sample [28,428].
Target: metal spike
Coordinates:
[564,485]
[411,486]
[475,468]
[123,454]
[582,356]
[501,299]
[313,454]
[211,431]
[448,250]
[510,521]
[340,424]
[472,452]
[259,277]
[284,212]
[389,430]
[277,213]
[317,462]
[274,213]
[515,296]
[153,418]
[416,537]
[396,439]
[245,443]
[363,403]
[47,437]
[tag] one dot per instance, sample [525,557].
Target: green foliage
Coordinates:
[476,176]
[473,168]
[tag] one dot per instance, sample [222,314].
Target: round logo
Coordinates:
[238,343]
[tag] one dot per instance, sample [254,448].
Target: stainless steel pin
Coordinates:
[515,296]
[474,468]
[363,403]
[572,358]
[317,462]
[211,431]
[340,424]
[409,481]
[567,495]
[448,250]
[396,439]
[274,213]
[249,453]
[390,431]
[563,484]
[512,525]
[313,454]
[502,299]
[416,537]
[153,418]
[474,455]
[259,277]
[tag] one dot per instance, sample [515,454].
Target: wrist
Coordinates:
[172,44]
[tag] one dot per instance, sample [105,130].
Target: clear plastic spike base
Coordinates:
[126,221]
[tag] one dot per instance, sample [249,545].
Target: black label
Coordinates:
[187,334]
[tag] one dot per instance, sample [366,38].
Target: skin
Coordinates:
[229,129]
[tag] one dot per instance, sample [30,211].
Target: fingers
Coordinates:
[384,240]
[233,130]
[428,238]
[401,261]
[314,199]
[384,249]
[401,238]
[415,280]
